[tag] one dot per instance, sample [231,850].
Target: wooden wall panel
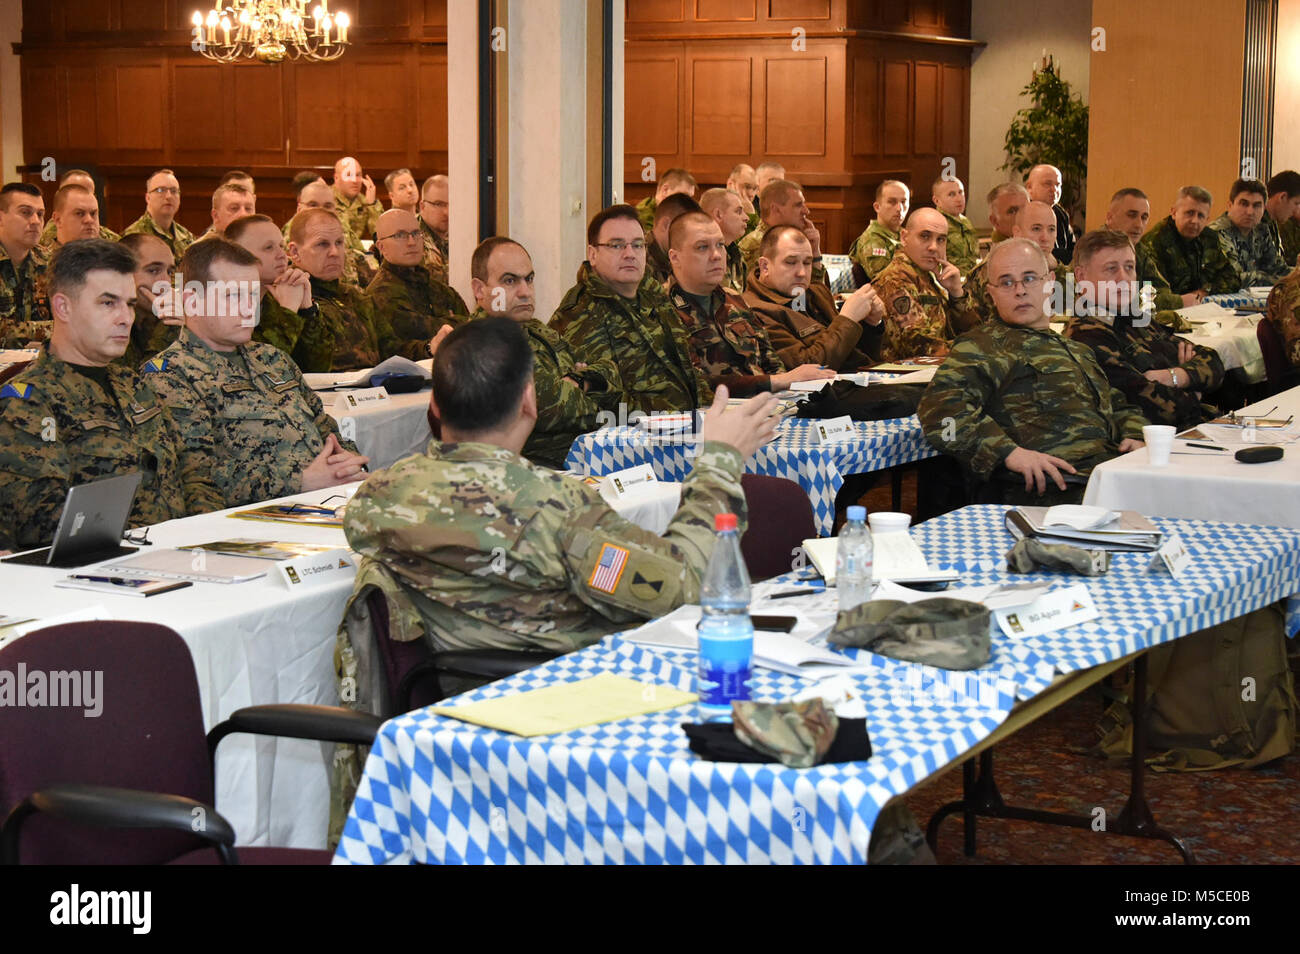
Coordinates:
[381,121]
[795,106]
[864,106]
[198,106]
[898,113]
[954,135]
[135,129]
[721,91]
[653,126]
[432,120]
[84,19]
[258,132]
[656,11]
[319,135]
[925,109]
[809,10]
[727,10]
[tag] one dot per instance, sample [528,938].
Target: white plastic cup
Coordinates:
[1159,439]
[884,521]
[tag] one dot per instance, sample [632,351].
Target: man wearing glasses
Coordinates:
[1014,396]
[162,200]
[435,220]
[415,303]
[618,315]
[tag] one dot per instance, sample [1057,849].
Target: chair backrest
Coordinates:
[396,658]
[118,705]
[780,519]
[1276,364]
[859,275]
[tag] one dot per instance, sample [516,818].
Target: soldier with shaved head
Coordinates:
[672,182]
[1044,185]
[403,291]
[1036,222]
[354,197]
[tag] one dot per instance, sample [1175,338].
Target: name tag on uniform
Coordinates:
[1058,609]
[621,481]
[1172,556]
[363,397]
[316,569]
[834,429]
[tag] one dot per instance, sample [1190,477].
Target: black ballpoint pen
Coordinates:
[1206,446]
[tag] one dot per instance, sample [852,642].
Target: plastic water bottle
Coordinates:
[853,559]
[726,633]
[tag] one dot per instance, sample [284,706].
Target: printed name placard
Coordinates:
[834,429]
[1058,609]
[621,481]
[363,397]
[305,572]
[1172,556]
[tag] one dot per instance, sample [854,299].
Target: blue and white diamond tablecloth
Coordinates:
[1237,300]
[795,454]
[437,790]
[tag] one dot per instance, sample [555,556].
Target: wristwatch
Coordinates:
[1173,376]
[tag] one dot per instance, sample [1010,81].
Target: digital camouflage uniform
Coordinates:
[249,411]
[149,335]
[874,248]
[815,334]
[734,280]
[1125,352]
[60,428]
[657,263]
[1149,271]
[641,338]
[919,318]
[728,343]
[1284,312]
[435,253]
[347,334]
[24,300]
[1257,253]
[963,243]
[359,217]
[1190,264]
[415,305]
[1003,387]
[178,240]
[750,244]
[495,552]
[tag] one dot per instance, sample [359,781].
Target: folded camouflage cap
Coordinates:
[1030,554]
[797,734]
[943,632]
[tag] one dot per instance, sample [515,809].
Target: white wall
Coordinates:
[1286,88]
[11,112]
[1017,32]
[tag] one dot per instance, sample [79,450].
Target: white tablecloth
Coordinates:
[1236,342]
[1208,485]
[385,432]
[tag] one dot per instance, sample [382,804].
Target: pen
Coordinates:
[1206,446]
[804,592]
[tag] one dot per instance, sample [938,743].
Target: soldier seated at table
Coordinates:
[348,334]
[162,200]
[84,179]
[1282,213]
[925,304]
[74,416]
[1251,243]
[1192,258]
[358,267]
[355,198]
[24,304]
[76,216]
[799,315]
[875,247]
[1166,377]
[672,182]
[404,291]
[571,395]
[1129,212]
[1283,311]
[1015,396]
[492,551]
[241,403]
[727,342]
[157,319]
[728,210]
[618,316]
[783,203]
[949,196]
[286,307]
[1043,184]
[435,221]
[1036,222]
[1005,201]
[656,252]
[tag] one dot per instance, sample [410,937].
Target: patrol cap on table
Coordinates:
[943,632]
[797,734]
[1029,554]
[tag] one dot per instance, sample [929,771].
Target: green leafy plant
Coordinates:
[1053,130]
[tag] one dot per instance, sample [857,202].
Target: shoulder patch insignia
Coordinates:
[20,391]
[609,568]
[901,304]
[645,589]
[155,364]
[879,251]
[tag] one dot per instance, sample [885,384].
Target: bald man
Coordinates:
[415,303]
[1044,185]
[1036,222]
[354,197]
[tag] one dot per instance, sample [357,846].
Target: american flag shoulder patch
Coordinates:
[609,568]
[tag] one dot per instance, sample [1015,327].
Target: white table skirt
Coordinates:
[385,432]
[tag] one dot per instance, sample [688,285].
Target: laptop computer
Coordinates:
[90,527]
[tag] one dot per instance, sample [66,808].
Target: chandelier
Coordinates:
[270,31]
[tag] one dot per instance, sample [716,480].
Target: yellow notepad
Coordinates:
[571,705]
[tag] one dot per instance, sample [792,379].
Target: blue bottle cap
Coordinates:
[858,513]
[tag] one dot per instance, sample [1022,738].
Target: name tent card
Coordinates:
[316,569]
[621,481]
[834,429]
[1059,609]
[363,397]
[1172,556]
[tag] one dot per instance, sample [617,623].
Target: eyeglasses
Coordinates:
[436,203]
[1029,281]
[165,190]
[140,537]
[402,236]
[618,246]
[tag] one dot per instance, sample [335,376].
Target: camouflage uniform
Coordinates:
[816,334]
[178,240]
[728,343]
[749,246]
[977,288]
[1257,253]
[495,552]
[963,243]
[1288,233]
[734,281]
[1125,352]
[1190,264]
[641,338]
[874,248]
[49,235]
[59,427]
[359,217]
[1149,271]
[415,305]
[358,267]
[347,334]
[919,318]
[24,302]
[1284,312]
[278,326]
[645,212]
[1004,387]
[149,335]
[656,262]
[435,253]
[248,411]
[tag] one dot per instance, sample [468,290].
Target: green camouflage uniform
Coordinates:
[277,325]
[919,318]
[750,244]
[1125,352]
[656,262]
[1257,254]
[359,217]
[149,335]
[963,243]
[728,343]
[60,428]
[178,240]
[874,248]
[415,304]
[1284,312]
[977,288]
[347,334]
[1190,264]
[1149,271]
[641,338]
[249,411]
[816,334]
[1289,235]
[496,552]
[1004,387]
[24,302]
[358,267]
[645,211]
[734,280]
[435,253]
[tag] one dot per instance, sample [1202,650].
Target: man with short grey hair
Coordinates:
[1191,257]
[1005,202]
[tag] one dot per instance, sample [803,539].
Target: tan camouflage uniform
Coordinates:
[874,248]
[178,240]
[1284,312]
[919,318]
